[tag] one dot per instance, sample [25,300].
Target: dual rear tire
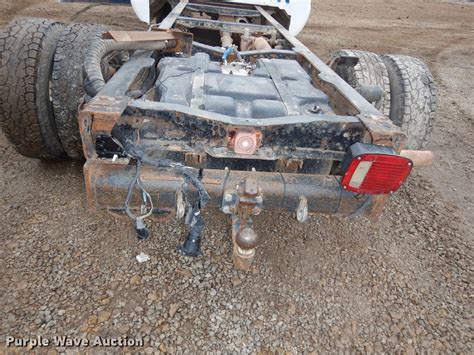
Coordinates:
[41,86]
[409,93]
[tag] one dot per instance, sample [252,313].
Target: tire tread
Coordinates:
[26,50]
[370,70]
[414,97]
[67,83]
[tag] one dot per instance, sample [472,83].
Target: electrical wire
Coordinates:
[145,195]
[127,137]
[161,82]
[137,181]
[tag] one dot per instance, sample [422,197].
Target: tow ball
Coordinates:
[242,204]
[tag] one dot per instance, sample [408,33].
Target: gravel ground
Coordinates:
[403,283]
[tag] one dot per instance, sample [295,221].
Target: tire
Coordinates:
[26,114]
[67,83]
[413,96]
[370,71]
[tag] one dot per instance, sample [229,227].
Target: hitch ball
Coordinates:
[247,239]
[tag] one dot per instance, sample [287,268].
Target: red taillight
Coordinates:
[376,174]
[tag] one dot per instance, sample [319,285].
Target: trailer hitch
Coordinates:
[242,204]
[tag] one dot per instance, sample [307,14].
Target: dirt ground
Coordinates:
[403,283]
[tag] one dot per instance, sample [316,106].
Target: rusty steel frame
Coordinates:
[233,27]
[107,184]
[107,179]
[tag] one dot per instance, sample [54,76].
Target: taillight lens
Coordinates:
[376,174]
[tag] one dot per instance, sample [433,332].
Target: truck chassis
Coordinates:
[183,158]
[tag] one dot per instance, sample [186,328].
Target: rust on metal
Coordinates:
[139,36]
[377,206]
[246,201]
[420,158]
[289,165]
[242,259]
[344,99]
[298,156]
[108,181]
[196,160]
[183,39]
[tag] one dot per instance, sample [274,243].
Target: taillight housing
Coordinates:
[374,170]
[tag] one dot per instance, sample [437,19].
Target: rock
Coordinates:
[92,320]
[173,309]
[395,315]
[236,281]
[21,285]
[291,309]
[409,350]
[104,316]
[184,272]
[135,280]
[153,296]
[123,328]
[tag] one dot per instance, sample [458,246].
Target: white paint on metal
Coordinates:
[299,10]
[142,10]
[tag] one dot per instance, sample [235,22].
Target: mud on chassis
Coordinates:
[217,106]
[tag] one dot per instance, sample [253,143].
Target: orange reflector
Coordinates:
[245,142]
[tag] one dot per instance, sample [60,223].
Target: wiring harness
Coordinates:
[127,138]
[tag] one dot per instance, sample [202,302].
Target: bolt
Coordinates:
[259,199]
[228,197]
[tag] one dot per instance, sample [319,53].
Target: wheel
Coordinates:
[369,71]
[413,96]
[26,114]
[67,83]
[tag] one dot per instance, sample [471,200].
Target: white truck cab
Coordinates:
[299,10]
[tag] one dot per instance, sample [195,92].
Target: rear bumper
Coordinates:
[107,185]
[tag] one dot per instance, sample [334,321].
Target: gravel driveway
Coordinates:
[403,283]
